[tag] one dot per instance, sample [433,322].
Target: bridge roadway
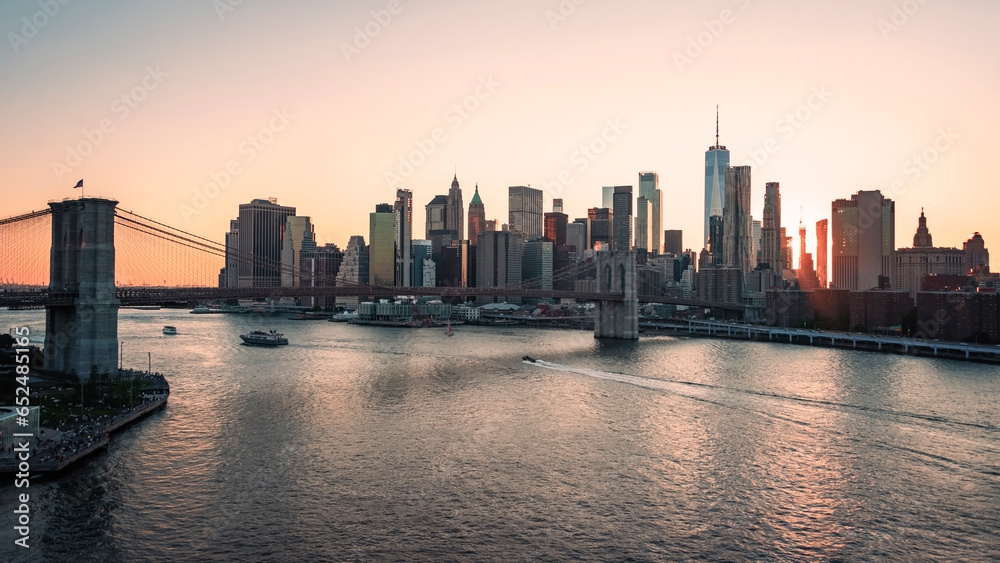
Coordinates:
[131,296]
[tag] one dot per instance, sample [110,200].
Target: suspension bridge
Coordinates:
[82,259]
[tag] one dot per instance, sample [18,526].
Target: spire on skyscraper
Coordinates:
[716,124]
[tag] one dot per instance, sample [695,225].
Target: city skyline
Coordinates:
[196,114]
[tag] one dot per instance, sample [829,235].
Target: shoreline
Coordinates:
[56,462]
[898,345]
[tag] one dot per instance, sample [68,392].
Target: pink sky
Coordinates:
[555,84]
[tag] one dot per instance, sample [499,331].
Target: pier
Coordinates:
[830,339]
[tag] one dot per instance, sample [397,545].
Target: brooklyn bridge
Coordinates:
[82,259]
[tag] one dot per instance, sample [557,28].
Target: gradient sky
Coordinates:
[557,83]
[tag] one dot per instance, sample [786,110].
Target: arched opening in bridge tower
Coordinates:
[607,276]
[621,272]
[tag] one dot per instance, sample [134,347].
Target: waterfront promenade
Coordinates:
[54,450]
[844,340]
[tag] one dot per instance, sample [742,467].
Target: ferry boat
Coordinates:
[169,330]
[261,338]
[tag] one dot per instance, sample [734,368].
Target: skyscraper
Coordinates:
[649,188]
[262,232]
[755,243]
[772,247]
[437,215]
[802,244]
[354,268]
[233,254]
[498,261]
[608,197]
[300,236]
[320,268]
[555,227]
[977,257]
[421,250]
[736,225]
[536,263]
[673,242]
[601,231]
[716,162]
[716,238]
[455,262]
[822,240]
[643,218]
[456,210]
[576,236]
[477,218]
[382,245]
[621,238]
[525,208]
[863,241]
[404,234]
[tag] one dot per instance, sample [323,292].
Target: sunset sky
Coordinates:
[300,103]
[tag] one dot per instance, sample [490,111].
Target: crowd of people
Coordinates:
[84,431]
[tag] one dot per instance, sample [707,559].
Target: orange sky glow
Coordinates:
[184,110]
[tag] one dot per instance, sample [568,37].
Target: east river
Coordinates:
[368,443]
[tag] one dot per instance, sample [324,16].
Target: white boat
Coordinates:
[261,338]
[203,310]
[348,315]
[169,330]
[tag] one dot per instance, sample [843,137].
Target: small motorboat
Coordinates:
[528,359]
[169,330]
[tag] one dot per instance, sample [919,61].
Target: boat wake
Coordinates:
[800,411]
[717,393]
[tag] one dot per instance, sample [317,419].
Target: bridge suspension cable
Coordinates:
[25,243]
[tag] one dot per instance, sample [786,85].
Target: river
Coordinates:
[370,443]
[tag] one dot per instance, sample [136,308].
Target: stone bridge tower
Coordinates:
[84,335]
[616,276]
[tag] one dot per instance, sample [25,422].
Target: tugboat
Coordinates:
[169,330]
[261,338]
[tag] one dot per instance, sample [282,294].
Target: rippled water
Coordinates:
[358,443]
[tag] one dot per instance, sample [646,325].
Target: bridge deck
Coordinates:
[130,296]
